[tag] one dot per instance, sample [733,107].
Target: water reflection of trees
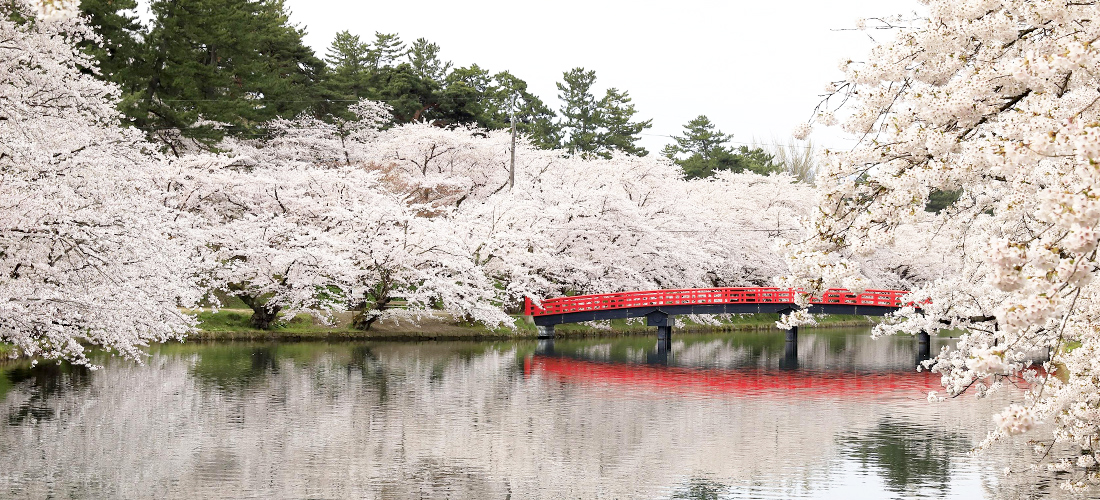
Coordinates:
[908,456]
[365,362]
[389,420]
[232,367]
[700,488]
[38,385]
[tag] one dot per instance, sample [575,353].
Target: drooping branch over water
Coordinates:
[995,101]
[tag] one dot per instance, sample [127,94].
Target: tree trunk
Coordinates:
[363,318]
[263,315]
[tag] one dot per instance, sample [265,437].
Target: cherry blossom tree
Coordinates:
[89,253]
[440,168]
[308,139]
[391,252]
[267,228]
[619,224]
[576,225]
[738,218]
[374,232]
[996,99]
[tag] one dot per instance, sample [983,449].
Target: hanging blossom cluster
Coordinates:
[55,10]
[997,102]
[1016,419]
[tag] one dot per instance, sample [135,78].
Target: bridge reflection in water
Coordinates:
[748,382]
[838,362]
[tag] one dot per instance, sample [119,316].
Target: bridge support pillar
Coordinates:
[545,347]
[790,351]
[792,334]
[664,323]
[660,357]
[545,332]
[790,356]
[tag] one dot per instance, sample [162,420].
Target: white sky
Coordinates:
[755,67]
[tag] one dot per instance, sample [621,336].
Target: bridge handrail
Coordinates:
[702,296]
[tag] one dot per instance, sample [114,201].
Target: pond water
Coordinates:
[731,415]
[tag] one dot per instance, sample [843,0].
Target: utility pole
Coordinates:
[512,169]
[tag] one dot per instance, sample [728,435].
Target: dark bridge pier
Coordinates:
[545,347]
[792,335]
[790,356]
[660,356]
[924,346]
[790,351]
[664,323]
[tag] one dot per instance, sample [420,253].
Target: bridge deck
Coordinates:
[742,300]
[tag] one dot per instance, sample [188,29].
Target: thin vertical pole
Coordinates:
[512,168]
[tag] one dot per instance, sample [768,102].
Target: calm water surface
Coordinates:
[714,416]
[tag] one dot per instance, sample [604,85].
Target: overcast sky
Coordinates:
[756,68]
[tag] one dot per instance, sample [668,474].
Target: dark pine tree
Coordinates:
[703,150]
[214,67]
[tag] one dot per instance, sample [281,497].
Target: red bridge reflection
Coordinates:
[746,382]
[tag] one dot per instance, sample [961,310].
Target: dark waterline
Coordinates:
[736,415]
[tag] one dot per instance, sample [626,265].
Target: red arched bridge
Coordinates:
[660,306]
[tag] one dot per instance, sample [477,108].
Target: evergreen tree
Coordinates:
[217,66]
[386,50]
[465,98]
[290,70]
[597,128]
[581,115]
[473,96]
[533,117]
[426,88]
[619,132]
[424,58]
[411,96]
[703,150]
[119,55]
[939,200]
[753,159]
[348,77]
[702,137]
[359,70]
[348,54]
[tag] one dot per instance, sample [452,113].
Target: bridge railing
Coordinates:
[702,296]
[884,298]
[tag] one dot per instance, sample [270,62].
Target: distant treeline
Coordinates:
[205,69]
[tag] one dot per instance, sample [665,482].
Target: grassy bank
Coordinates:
[6,350]
[232,324]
